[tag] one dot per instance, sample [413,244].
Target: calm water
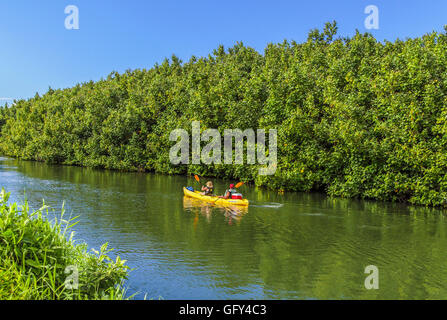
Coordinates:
[291,246]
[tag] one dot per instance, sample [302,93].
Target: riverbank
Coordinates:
[41,261]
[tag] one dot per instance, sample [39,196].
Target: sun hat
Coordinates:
[209,184]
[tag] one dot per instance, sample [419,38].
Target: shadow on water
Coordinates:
[286,246]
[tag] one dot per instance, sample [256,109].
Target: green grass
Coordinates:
[38,256]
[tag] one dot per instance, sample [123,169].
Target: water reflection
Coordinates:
[233,214]
[292,245]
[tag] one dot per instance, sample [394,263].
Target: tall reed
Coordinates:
[40,259]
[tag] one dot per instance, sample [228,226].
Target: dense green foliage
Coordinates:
[35,253]
[355,117]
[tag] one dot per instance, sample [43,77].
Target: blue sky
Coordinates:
[36,51]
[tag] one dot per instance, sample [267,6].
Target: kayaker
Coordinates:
[207,189]
[228,192]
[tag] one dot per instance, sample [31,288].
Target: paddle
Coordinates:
[240,184]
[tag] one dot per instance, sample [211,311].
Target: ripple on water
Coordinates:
[271,205]
[316,214]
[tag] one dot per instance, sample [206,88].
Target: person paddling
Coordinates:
[228,192]
[208,189]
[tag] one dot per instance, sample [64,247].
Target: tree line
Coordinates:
[355,117]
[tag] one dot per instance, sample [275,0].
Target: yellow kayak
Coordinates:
[216,200]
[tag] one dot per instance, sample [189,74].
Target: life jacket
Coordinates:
[208,191]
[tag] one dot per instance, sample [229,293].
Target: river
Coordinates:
[284,246]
